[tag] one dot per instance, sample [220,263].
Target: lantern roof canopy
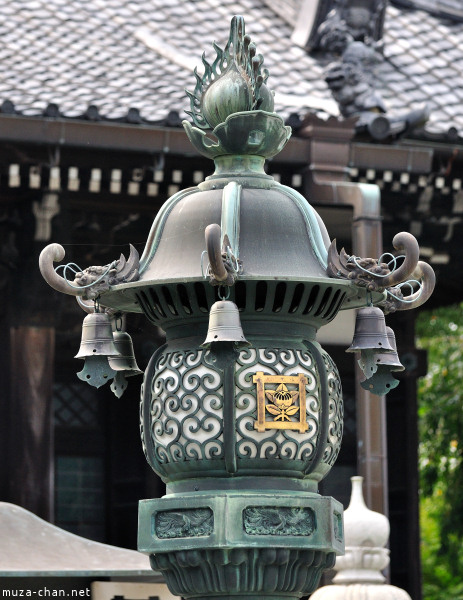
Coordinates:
[268,239]
[269,231]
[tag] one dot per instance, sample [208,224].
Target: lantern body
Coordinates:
[241,434]
[209,413]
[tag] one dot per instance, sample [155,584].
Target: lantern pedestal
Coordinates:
[241,544]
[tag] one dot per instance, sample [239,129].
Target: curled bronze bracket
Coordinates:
[223,267]
[407,244]
[426,273]
[375,274]
[423,273]
[50,254]
[90,282]
[87,306]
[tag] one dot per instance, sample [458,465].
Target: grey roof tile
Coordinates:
[74,52]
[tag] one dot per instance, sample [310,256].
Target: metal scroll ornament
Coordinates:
[335,412]
[185,404]
[91,282]
[406,283]
[108,356]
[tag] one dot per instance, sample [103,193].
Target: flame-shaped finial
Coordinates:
[234,82]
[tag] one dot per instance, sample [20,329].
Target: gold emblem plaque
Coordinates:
[286,407]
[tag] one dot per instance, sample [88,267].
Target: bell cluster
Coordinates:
[375,343]
[108,354]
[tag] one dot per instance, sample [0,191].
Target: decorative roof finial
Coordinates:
[234,82]
[233,101]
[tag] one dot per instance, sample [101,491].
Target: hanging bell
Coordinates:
[96,345]
[125,364]
[370,331]
[370,336]
[382,381]
[97,336]
[225,325]
[125,360]
[390,359]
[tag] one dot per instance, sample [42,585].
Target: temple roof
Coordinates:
[30,546]
[131,61]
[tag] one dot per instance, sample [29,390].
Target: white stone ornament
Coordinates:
[359,574]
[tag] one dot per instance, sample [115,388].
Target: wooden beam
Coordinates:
[395,158]
[31,432]
[105,135]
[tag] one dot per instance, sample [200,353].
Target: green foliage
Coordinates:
[439,583]
[440,332]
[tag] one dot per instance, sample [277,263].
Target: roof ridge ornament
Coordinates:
[351,32]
